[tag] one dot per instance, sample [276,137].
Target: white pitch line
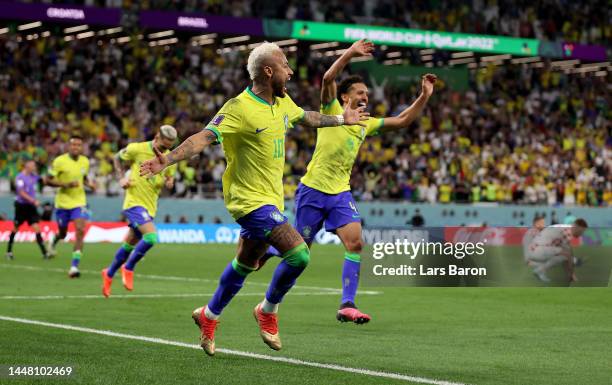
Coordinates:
[182,279]
[293,361]
[123,296]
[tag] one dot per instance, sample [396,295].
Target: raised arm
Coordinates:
[186,150]
[411,113]
[328,88]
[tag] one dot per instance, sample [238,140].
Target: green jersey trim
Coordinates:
[216,132]
[260,100]
[324,106]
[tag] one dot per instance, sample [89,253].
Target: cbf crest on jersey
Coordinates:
[278,217]
[83,171]
[286,121]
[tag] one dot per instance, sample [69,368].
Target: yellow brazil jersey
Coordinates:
[65,169]
[143,191]
[329,171]
[252,133]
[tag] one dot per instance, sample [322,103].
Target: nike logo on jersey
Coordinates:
[258,130]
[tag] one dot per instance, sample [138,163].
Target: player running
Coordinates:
[139,205]
[26,206]
[324,195]
[69,173]
[552,246]
[252,128]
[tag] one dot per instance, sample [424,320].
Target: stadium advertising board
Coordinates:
[200,22]
[307,30]
[584,52]
[115,232]
[63,13]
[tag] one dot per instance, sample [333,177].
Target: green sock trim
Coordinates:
[294,251]
[76,255]
[127,247]
[242,269]
[299,256]
[150,238]
[355,257]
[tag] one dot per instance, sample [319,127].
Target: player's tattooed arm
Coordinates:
[349,117]
[191,146]
[186,150]
[315,119]
[121,165]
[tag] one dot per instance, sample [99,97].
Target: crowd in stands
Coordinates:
[586,22]
[519,134]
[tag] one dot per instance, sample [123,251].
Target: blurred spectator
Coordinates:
[417,219]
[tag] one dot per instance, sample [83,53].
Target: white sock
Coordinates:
[209,314]
[269,307]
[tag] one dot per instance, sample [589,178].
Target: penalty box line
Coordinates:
[292,361]
[184,279]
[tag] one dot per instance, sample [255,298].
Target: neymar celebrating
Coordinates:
[252,127]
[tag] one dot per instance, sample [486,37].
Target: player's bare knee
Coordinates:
[354,245]
[79,232]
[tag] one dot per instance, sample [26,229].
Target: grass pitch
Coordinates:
[464,335]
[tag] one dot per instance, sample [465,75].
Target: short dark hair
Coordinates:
[76,136]
[347,83]
[581,222]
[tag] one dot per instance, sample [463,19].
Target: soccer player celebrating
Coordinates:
[26,206]
[252,128]
[324,194]
[69,173]
[140,204]
[553,246]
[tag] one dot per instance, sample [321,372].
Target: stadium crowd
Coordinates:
[519,135]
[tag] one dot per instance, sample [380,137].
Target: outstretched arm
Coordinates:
[186,150]
[411,113]
[328,88]
[350,116]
